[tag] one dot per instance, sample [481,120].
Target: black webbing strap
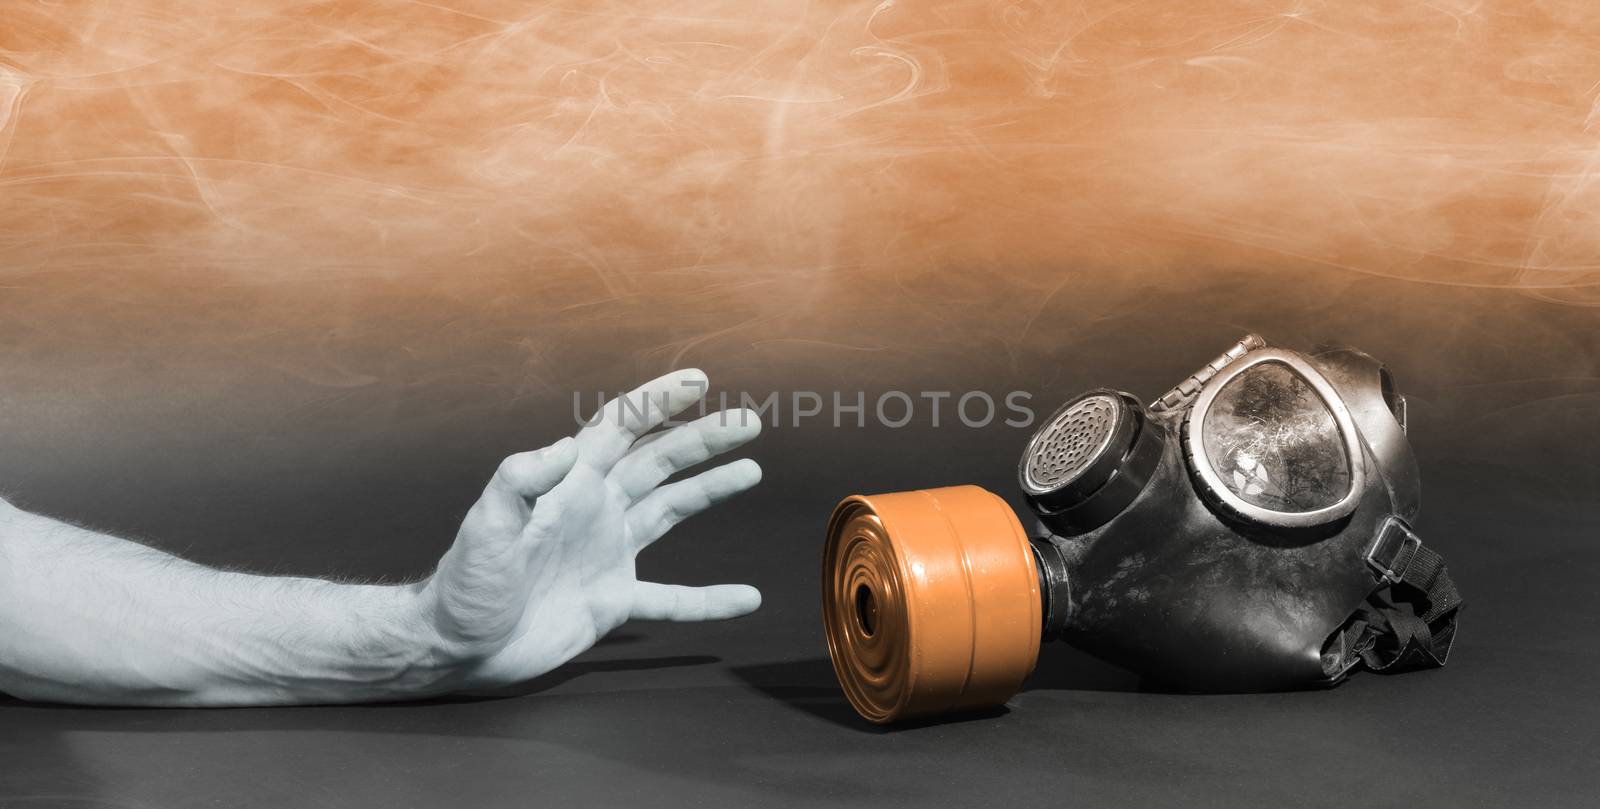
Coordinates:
[1411,623]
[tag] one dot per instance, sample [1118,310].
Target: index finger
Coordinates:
[606,436]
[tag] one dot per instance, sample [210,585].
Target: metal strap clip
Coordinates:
[1391,553]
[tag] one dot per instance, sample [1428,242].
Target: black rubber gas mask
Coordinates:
[1249,530]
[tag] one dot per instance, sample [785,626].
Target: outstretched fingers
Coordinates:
[606,436]
[674,602]
[669,505]
[659,456]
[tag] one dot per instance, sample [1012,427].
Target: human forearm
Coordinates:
[541,567]
[89,618]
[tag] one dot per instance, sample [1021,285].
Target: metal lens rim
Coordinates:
[1200,462]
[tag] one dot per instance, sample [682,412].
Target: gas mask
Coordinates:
[1249,530]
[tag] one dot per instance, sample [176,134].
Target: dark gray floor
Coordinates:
[747,713]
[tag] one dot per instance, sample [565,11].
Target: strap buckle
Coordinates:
[1387,556]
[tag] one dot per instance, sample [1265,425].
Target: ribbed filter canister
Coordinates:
[930,601]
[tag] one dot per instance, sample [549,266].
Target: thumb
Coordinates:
[480,596]
[674,602]
[523,477]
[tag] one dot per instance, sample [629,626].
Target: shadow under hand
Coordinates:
[560,675]
[576,669]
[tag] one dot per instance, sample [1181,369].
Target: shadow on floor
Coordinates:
[810,686]
[560,675]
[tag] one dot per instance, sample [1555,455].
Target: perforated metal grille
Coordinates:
[1070,443]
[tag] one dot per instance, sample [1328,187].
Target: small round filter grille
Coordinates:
[1068,445]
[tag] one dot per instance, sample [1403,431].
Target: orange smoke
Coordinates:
[311,187]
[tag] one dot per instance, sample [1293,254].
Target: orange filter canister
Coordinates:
[931,603]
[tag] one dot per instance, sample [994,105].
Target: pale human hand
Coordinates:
[543,565]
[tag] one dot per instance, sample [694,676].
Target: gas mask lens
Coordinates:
[1269,440]
[1273,442]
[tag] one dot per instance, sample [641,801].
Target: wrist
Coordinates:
[418,662]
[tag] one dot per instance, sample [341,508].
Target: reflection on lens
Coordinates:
[1274,442]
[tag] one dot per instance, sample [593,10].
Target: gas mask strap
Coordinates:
[1413,624]
[1399,558]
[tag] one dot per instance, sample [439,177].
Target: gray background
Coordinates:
[215,458]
